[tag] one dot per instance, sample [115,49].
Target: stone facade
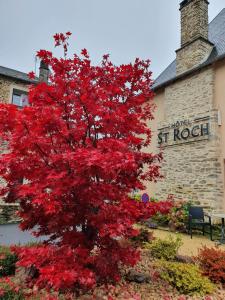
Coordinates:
[8,211]
[192,167]
[188,128]
[197,12]
[195,47]
[192,55]
[6,87]
[19,81]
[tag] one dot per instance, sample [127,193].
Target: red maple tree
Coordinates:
[73,157]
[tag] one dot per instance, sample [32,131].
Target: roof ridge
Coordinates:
[18,75]
[14,70]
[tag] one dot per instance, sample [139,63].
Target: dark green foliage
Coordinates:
[144,236]
[12,295]
[9,290]
[177,218]
[7,262]
[161,220]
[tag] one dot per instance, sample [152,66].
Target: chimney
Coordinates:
[43,72]
[195,46]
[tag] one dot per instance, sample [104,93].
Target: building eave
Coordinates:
[27,81]
[188,73]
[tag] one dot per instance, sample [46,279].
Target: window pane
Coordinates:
[19,98]
[24,100]
[16,100]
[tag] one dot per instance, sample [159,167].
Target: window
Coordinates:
[19,98]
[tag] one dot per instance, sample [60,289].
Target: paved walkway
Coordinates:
[190,246]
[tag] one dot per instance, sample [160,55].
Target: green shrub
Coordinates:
[186,278]
[136,197]
[9,291]
[7,262]
[162,220]
[165,248]
[11,295]
[144,236]
[153,199]
[177,218]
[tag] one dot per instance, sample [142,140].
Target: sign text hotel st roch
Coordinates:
[185,131]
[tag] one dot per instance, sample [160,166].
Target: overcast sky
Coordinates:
[124,28]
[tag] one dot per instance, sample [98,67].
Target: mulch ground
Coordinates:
[156,289]
[159,289]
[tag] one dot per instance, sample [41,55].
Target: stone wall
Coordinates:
[8,211]
[6,87]
[194,20]
[192,167]
[192,55]
[195,47]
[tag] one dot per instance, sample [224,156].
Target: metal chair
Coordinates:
[196,217]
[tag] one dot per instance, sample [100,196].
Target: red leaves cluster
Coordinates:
[212,261]
[31,75]
[62,39]
[59,267]
[73,157]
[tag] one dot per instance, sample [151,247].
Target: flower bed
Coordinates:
[151,279]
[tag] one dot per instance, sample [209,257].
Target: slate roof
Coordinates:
[216,36]
[14,74]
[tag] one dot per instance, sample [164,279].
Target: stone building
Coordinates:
[189,125]
[14,84]
[14,87]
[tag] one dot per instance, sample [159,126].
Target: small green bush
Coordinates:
[186,278]
[177,217]
[9,291]
[11,295]
[165,248]
[161,220]
[144,236]
[7,262]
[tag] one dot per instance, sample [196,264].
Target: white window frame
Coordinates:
[19,88]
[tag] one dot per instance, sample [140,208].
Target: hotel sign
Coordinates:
[184,131]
